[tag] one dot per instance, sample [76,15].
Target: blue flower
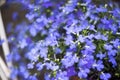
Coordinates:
[51,40]
[99,36]
[101,9]
[23,43]
[116,43]
[108,47]
[69,29]
[23,71]
[32,77]
[62,75]
[71,71]
[43,52]
[112,52]
[51,66]
[81,38]
[68,40]
[30,65]
[30,16]
[47,77]
[86,62]
[14,73]
[98,65]
[101,56]
[33,31]
[105,76]
[83,73]
[69,59]
[113,61]
[58,50]
[39,66]
[32,55]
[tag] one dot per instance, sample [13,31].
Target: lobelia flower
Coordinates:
[108,47]
[113,52]
[58,50]
[68,40]
[67,62]
[23,72]
[23,43]
[47,77]
[33,31]
[83,73]
[39,66]
[81,38]
[62,75]
[98,65]
[105,76]
[71,71]
[33,55]
[101,9]
[87,61]
[69,29]
[113,61]
[14,73]
[51,66]
[116,43]
[30,65]
[32,77]
[101,55]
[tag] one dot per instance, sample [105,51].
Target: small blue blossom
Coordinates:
[83,73]
[23,43]
[58,50]
[69,59]
[112,52]
[81,38]
[101,9]
[71,71]
[86,62]
[68,40]
[47,77]
[33,31]
[105,76]
[30,66]
[98,65]
[116,43]
[113,61]
[39,66]
[62,75]
[108,47]
[32,77]
[101,56]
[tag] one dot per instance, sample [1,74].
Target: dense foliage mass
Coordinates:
[66,39]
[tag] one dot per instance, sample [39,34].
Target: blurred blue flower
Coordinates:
[98,65]
[113,61]
[69,59]
[101,55]
[39,66]
[71,71]
[83,73]
[32,77]
[112,52]
[105,76]
[30,65]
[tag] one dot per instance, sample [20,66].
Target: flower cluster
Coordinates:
[66,38]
